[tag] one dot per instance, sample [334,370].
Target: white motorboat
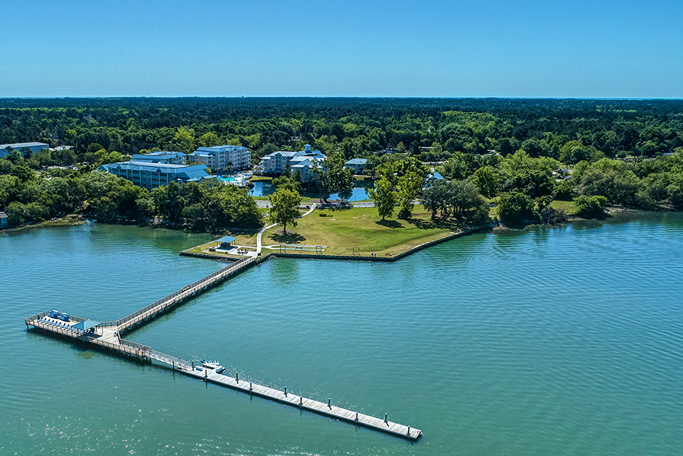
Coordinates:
[213,365]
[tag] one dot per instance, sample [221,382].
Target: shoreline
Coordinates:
[64,221]
[321,256]
[612,213]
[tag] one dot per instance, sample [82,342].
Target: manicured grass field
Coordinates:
[342,230]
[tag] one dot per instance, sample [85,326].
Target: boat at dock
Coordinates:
[213,364]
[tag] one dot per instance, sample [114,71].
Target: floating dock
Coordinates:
[108,335]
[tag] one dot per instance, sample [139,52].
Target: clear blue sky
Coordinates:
[473,48]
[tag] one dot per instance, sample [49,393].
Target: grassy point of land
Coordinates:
[245,238]
[204,249]
[342,230]
[260,178]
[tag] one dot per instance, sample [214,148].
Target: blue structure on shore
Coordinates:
[152,175]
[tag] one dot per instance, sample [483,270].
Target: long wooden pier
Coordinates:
[177,297]
[108,335]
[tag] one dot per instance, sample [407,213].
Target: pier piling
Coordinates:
[108,335]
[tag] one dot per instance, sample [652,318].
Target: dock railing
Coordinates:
[126,346]
[46,313]
[36,317]
[170,360]
[185,289]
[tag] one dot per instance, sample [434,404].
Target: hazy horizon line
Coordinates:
[342,97]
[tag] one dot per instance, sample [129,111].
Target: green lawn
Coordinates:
[204,248]
[243,237]
[342,230]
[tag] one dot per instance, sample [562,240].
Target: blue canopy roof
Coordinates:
[86,324]
[227,239]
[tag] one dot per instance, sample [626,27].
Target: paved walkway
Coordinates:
[309,211]
[260,234]
[259,246]
[266,204]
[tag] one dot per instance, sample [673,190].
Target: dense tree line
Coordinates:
[521,154]
[27,196]
[525,186]
[432,129]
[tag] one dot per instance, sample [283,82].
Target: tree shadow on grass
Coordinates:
[389,223]
[289,238]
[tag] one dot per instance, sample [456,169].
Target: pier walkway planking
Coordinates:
[108,335]
[303,403]
[175,298]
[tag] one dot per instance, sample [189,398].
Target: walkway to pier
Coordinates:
[173,299]
[108,335]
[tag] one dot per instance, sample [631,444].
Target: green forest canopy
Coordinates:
[518,150]
[542,127]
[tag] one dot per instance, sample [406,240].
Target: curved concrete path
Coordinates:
[260,234]
[310,210]
[259,246]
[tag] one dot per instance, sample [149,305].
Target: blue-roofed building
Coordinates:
[4,223]
[356,164]
[236,158]
[301,161]
[170,158]
[226,242]
[433,178]
[152,175]
[23,148]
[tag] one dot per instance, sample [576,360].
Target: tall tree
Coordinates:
[487,180]
[409,186]
[284,207]
[384,197]
[341,178]
[185,136]
[322,181]
[208,139]
[332,177]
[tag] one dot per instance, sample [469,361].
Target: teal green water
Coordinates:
[548,341]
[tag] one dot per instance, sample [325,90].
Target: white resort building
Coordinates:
[356,164]
[23,148]
[152,175]
[236,158]
[170,158]
[302,161]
